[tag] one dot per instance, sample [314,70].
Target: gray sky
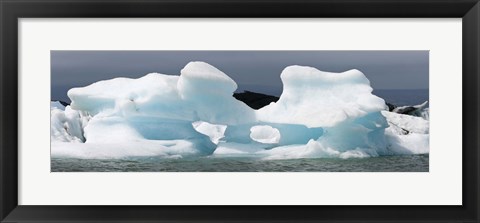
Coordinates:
[257,71]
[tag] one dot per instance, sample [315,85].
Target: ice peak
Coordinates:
[204,77]
[305,73]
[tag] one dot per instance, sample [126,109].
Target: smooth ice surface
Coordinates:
[319,114]
[200,77]
[265,134]
[215,132]
[321,99]
[208,93]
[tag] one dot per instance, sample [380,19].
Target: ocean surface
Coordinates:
[403,163]
[403,97]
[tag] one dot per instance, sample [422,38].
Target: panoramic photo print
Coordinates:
[239,111]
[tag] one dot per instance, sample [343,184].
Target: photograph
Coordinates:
[239,111]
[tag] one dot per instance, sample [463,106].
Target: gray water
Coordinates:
[404,163]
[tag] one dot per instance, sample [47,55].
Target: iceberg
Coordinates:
[407,134]
[340,104]
[200,93]
[321,99]
[318,115]
[66,124]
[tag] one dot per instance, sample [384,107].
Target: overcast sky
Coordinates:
[257,71]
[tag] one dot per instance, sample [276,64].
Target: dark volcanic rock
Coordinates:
[390,106]
[255,100]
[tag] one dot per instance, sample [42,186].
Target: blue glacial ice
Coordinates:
[319,114]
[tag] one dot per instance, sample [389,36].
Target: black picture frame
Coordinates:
[12,10]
